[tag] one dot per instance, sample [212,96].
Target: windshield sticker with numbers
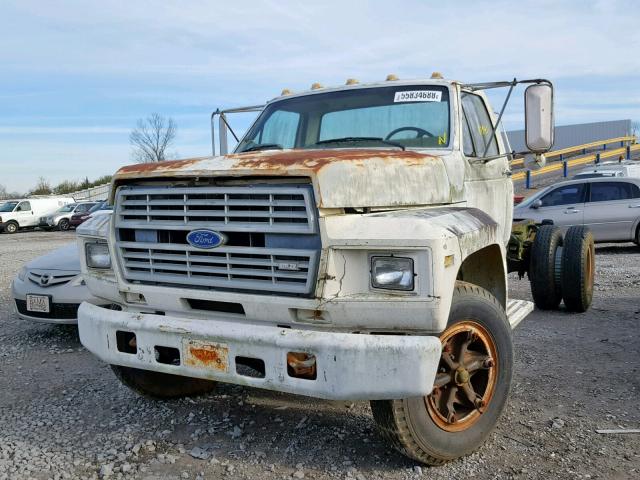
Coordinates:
[418,96]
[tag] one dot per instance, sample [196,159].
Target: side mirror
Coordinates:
[538,113]
[537,204]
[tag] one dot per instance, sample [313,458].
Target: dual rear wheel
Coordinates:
[562,268]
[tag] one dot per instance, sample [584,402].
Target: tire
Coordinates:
[11,227]
[63,225]
[161,386]
[416,427]
[546,287]
[578,269]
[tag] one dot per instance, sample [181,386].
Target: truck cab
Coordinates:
[352,246]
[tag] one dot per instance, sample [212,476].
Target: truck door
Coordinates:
[612,210]
[486,184]
[24,215]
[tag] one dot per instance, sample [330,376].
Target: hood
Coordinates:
[65,258]
[341,177]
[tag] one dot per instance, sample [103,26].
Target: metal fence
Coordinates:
[99,192]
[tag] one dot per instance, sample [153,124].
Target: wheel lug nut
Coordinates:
[488,363]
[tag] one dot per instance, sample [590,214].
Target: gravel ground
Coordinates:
[64,415]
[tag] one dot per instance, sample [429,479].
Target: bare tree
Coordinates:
[43,187]
[151,138]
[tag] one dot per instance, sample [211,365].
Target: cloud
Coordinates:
[84,73]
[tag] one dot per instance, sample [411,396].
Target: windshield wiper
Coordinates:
[360,139]
[262,146]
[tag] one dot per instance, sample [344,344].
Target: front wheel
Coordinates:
[161,385]
[63,225]
[11,227]
[471,387]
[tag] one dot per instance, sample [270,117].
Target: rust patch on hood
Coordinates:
[313,160]
[158,166]
[316,159]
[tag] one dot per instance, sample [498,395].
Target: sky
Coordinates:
[75,76]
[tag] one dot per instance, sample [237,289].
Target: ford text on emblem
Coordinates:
[205,239]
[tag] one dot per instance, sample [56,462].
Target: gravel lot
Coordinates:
[64,415]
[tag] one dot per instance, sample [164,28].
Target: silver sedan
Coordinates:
[50,288]
[610,207]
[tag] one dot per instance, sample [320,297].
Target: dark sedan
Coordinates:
[79,218]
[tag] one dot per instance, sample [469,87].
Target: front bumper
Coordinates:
[65,299]
[349,366]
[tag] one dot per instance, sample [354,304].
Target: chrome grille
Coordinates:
[273,246]
[269,209]
[47,278]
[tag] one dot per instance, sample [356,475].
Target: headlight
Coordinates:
[97,255]
[22,274]
[392,273]
[77,281]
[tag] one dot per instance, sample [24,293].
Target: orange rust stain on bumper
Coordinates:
[213,356]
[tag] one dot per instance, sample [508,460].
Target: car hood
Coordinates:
[65,258]
[341,177]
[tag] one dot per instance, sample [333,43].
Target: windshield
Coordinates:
[100,206]
[67,208]
[8,206]
[411,116]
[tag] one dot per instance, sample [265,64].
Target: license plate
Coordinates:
[208,355]
[38,303]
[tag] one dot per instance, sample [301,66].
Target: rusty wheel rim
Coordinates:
[590,267]
[466,377]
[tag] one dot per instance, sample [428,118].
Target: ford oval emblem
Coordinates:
[205,239]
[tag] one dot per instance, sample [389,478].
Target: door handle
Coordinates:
[571,210]
[634,206]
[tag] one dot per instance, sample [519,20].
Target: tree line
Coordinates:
[44,187]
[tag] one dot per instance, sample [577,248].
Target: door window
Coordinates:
[479,124]
[566,195]
[611,191]
[83,208]
[467,142]
[24,207]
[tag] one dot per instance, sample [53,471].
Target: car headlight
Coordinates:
[97,255]
[22,274]
[77,281]
[392,273]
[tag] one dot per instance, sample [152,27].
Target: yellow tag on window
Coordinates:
[442,139]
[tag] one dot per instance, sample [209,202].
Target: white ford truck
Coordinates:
[354,245]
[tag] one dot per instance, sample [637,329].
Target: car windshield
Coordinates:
[407,116]
[100,206]
[8,206]
[67,208]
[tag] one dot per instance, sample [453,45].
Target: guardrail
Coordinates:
[581,149]
[596,158]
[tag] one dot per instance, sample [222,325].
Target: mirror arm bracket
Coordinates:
[495,127]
